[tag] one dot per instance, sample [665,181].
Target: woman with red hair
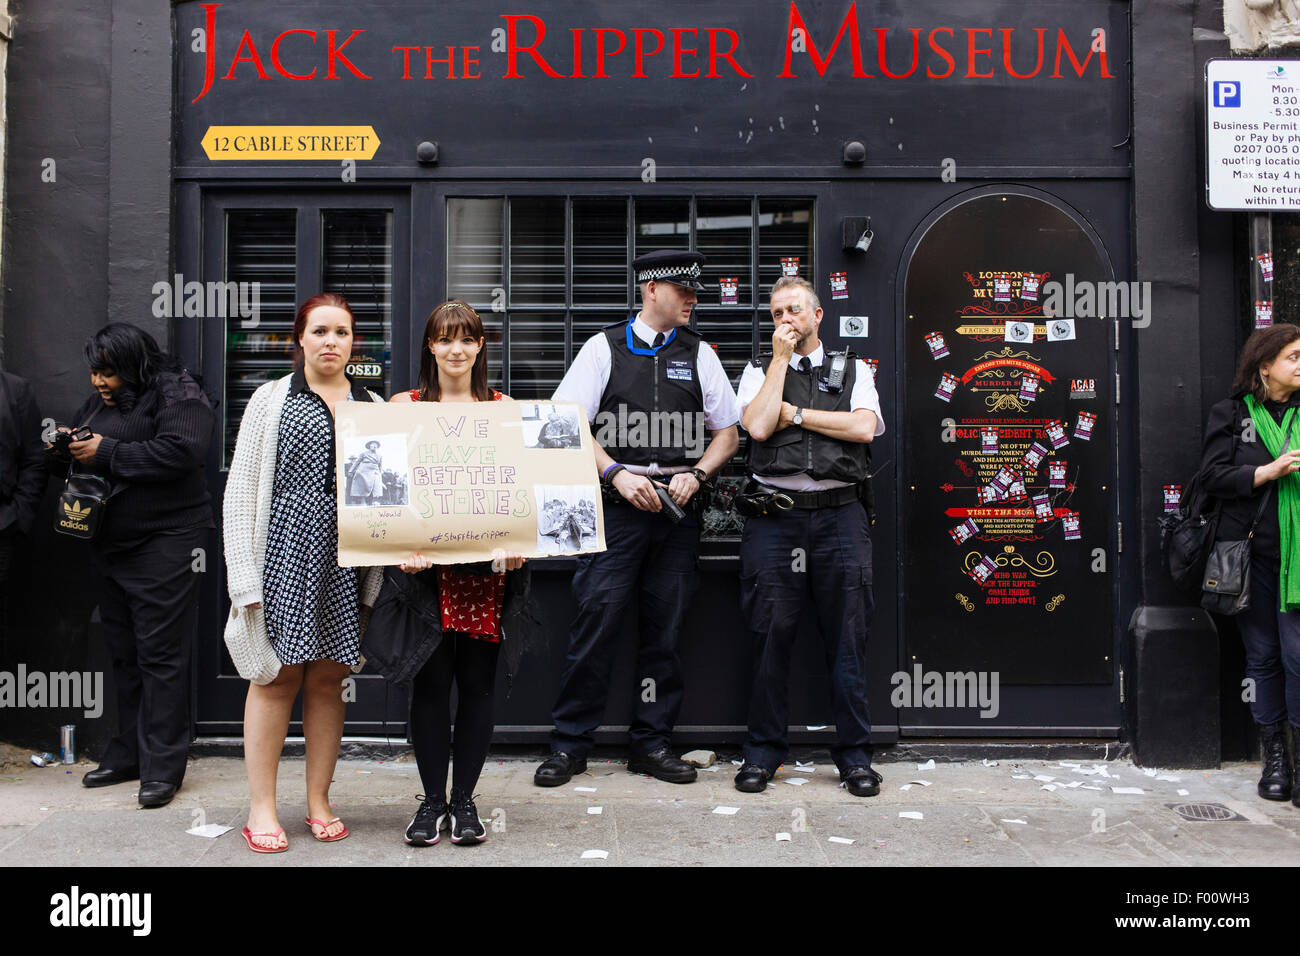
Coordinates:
[281,537]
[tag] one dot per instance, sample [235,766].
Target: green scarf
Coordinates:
[1288,499]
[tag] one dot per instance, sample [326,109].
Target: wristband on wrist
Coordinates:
[611,471]
[700,475]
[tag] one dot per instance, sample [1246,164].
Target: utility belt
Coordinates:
[756,500]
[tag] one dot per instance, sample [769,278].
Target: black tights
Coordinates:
[472,662]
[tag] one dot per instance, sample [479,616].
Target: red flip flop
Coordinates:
[312,821]
[248,838]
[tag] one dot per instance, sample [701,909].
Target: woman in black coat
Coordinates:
[151,427]
[1245,466]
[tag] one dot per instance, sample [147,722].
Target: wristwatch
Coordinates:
[798,416]
[700,475]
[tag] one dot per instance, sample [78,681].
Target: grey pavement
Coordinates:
[971,813]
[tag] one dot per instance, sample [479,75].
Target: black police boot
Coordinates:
[663,765]
[1275,782]
[558,769]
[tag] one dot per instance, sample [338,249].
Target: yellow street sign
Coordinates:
[290,142]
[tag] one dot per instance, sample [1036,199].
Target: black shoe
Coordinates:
[752,779]
[663,765]
[425,828]
[157,793]
[466,827]
[861,781]
[557,769]
[107,776]
[1275,781]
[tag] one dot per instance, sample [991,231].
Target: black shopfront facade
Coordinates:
[525,158]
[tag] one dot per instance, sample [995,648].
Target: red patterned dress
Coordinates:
[471,603]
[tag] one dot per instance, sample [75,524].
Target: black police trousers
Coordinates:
[803,569]
[652,561]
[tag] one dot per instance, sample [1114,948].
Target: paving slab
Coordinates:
[1018,812]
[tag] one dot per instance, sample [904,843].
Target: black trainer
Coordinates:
[425,828]
[466,827]
[558,769]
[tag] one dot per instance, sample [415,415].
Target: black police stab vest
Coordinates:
[794,449]
[642,386]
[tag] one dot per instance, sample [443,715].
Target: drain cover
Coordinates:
[1205,812]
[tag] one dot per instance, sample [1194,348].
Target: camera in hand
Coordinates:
[62,439]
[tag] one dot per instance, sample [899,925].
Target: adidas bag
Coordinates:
[80,511]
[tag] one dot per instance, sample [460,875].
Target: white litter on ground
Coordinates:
[595,855]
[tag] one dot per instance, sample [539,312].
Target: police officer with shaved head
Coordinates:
[647,385]
[811,415]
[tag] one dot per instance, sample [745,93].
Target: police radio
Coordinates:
[835,378]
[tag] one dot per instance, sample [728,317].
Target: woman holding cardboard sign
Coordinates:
[286,588]
[472,601]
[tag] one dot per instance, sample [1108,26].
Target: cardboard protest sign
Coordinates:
[458,482]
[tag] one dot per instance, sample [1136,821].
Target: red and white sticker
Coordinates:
[947,385]
[988,441]
[1028,388]
[1070,523]
[1029,284]
[1265,260]
[839,285]
[1263,314]
[963,531]
[938,347]
[1056,475]
[1034,457]
[730,290]
[790,265]
[1083,427]
[1042,508]
[1002,287]
[1056,432]
[1173,497]
[984,570]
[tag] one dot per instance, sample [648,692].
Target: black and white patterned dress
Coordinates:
[310,602]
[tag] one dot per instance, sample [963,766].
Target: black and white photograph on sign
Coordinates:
[566,518]
[374,470]
[550,426]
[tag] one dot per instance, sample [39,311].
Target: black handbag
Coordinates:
[1226,586]
[80,509]
[1187,536]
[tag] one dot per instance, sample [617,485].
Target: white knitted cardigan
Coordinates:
[246,508]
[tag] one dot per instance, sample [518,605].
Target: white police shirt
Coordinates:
[587,377]
[863,396]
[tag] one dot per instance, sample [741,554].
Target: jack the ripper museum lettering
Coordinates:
[525,46]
